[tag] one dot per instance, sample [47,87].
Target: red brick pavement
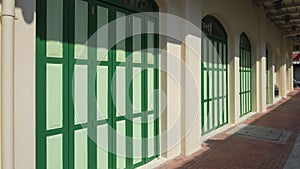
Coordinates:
[235,152]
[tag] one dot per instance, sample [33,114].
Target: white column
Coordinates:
[283,77]
[191,116]
[191,132]
[7,73]
[263,84]
[261,74]
[271,76]
[233,78]
[262,59]
[291,73]
[255,57]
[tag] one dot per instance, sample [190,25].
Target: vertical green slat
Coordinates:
[250,60]
[208,84]
[242,80]
[246,104]
[226,63]
[241,103]
[71,73]
[202,85]
[144,92]
[156,86]
[65,84]
[205,85]
[92,71]
[111,95]
[245,81]
[213,85]
[223,95]
[41,82]
[249,81]
[222,81]
[218,84]
[129,109]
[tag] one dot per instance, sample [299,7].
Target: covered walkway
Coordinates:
[235,151]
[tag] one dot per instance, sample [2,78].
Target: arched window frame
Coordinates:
[245,42]
[213,28]
[135,5]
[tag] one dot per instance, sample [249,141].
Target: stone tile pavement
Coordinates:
[227,151]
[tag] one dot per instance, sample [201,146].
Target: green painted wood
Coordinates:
[69,63]
[41,82]
[92,73]
[72,61]
[214,111]
[245,76]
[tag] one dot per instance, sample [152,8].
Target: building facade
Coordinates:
[96,89]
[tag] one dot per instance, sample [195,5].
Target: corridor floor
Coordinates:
[233,151]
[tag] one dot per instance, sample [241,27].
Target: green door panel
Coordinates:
[214,90]
[96,107]
[245,76]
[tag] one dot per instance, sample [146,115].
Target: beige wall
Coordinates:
[25,34]
[24,85]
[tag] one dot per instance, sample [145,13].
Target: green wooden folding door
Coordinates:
[214,88]
[245,76]
[95,106]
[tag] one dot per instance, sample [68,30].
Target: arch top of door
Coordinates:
[135,5]
[212,27]
[244,41]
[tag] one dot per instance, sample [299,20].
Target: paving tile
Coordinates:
[231,151]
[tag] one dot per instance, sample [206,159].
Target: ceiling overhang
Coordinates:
[286,16]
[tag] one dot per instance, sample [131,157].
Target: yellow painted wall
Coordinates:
[25,29]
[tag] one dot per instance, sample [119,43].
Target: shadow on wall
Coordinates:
[278,64]
[278,61]
[269,55]
[27,7]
